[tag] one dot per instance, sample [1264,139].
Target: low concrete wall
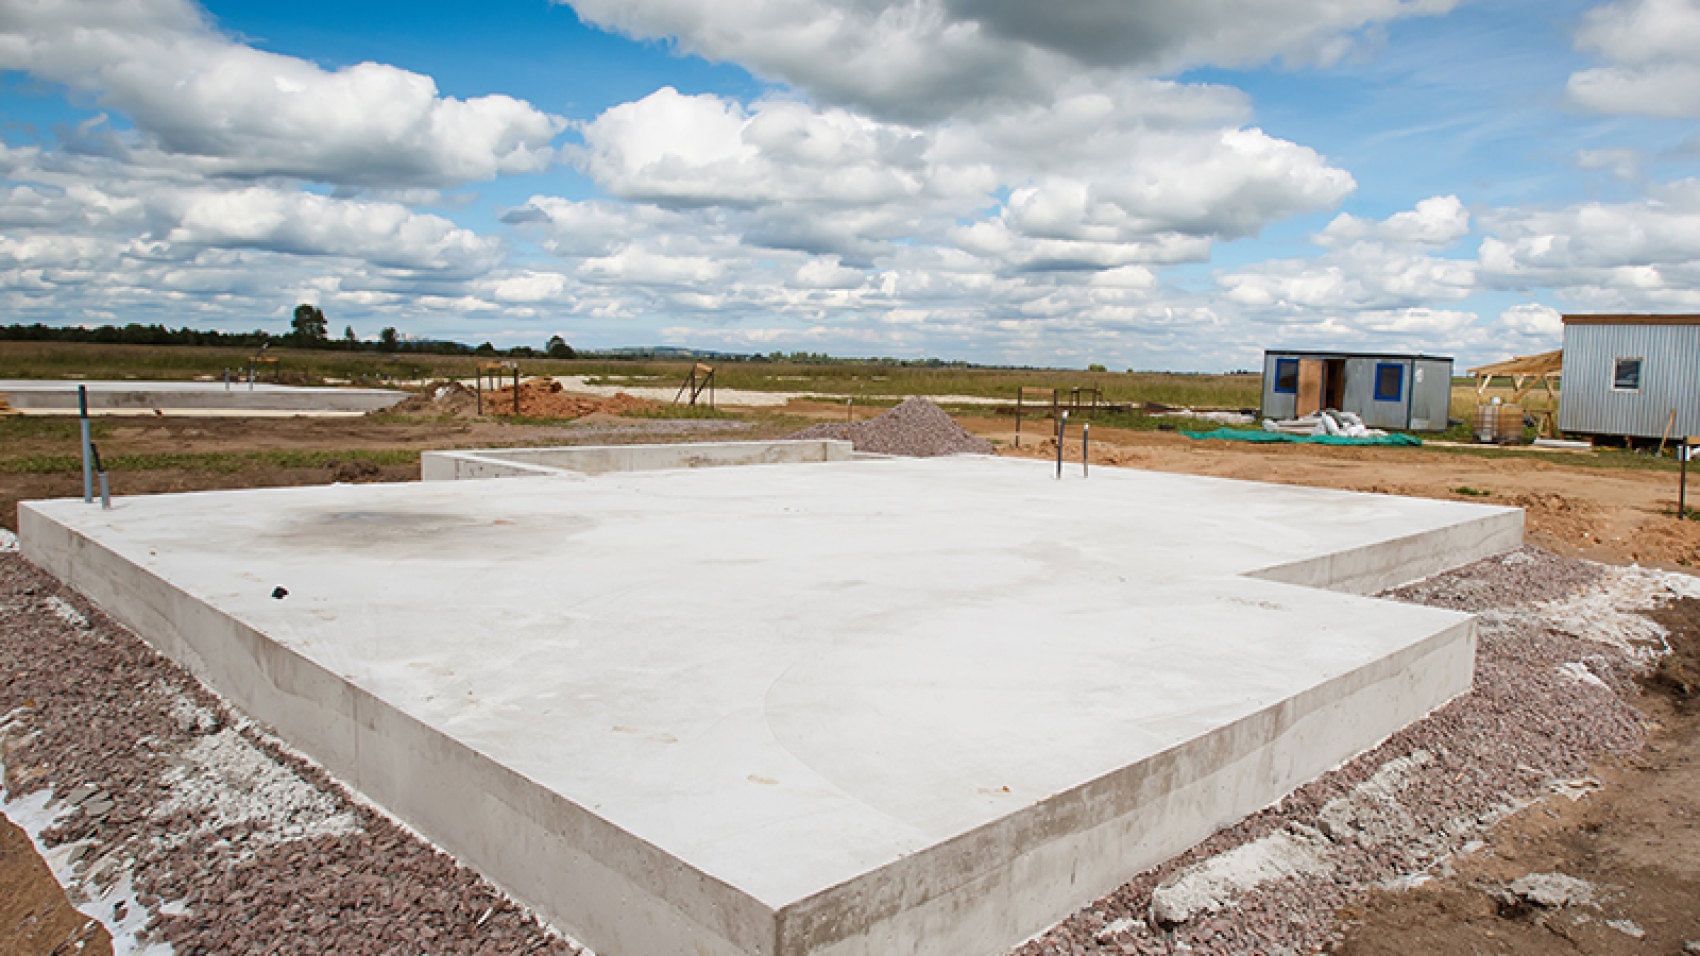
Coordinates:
[601,459]
[591,878]
[1390,564]
[62,396]
[988,890]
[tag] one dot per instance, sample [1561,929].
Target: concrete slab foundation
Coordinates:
[45,397]
[849,707]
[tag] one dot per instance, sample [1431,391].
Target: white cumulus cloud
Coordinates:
[1438,221]
[1652,51]
[926,59]
[199,96]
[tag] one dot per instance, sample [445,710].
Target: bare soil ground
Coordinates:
[230,446]
[1615,516]
[1635,841]
[1634,838]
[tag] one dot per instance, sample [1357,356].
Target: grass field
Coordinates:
[64,360]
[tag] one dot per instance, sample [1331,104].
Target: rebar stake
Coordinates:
[100,470]
[1062,433]
[1085,447]
[88,463]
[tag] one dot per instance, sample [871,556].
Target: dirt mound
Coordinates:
[436,400]
[544,398]
[538,398]
[915,429]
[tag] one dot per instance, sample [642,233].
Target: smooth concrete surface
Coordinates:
[871,707]
[32,396]
[601,459]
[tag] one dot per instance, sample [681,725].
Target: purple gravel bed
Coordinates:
[1522,726]
[91,707]
[915,429]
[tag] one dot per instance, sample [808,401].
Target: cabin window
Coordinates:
[1389,382]
[1287,376]
[1626,375]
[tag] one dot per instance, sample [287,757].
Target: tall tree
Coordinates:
[309,325]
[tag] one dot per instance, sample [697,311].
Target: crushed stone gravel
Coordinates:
[914,429]
[189,827]
[1399,814]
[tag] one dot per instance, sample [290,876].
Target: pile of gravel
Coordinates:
[1524,576]
[915,429]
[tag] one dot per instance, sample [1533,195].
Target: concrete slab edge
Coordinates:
[602,459]
[1085,842]
[543,850]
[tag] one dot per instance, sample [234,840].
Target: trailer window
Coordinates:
[1389,382]
[1626,376]
[1287,376]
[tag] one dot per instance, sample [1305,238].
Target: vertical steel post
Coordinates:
[1682,488]
[1062,433]
[105,489]
[478,384]
[516,389]
[849,411]
[1018,394]
[88,446]
[1085,447]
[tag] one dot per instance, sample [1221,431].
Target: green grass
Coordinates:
[28,427]
[224,462]
[678,411]
[1469,492]
[66,360]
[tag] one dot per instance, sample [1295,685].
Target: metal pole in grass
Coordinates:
[88,462]
[1062,433]
[1682,486]
[1085,447]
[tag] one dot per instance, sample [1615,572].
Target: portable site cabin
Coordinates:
[1406,392]
[1625,375]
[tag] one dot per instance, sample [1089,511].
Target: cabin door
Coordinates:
[1334,384]
[1309,399]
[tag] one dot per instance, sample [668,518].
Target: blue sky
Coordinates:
[1156,185]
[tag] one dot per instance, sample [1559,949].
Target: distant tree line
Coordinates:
[308,329]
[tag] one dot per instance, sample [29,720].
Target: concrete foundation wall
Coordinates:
[588,877]
[62,396]
[988,890]
[1389,564]
[602,459]
[974,885]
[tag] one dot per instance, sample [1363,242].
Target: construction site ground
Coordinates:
[1633,838]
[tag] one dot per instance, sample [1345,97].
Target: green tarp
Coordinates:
[1233,434]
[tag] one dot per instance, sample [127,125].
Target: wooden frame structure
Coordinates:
[700,380]
[497,373]
[1526,372]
